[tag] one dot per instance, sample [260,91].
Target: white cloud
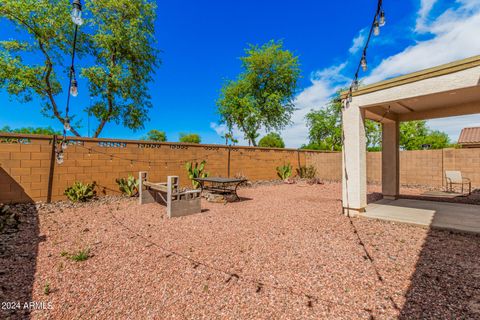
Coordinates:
[453,125]
[426,7]
[455,37]
[324,84]
[358,42]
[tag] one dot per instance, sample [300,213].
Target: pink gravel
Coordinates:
[284,252]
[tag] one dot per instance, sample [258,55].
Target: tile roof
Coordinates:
[469,136]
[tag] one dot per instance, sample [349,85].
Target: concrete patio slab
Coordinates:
[452,216]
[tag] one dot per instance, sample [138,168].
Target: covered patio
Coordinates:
[448,90]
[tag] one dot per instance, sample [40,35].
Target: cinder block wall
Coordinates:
[27,169]
[27,172]
[419,167]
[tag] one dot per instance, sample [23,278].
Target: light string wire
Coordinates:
[72,78]
[378,21]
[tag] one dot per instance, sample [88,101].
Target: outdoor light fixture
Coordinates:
[66,124]
[64,145]
[74,88]
[382,19]
[355,84]
[77,13]
[60,158]
[363,63]
[376,28]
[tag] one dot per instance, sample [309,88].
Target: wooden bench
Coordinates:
[179,203]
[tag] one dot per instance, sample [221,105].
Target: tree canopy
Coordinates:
[272,140]
[325,131]
[263,94]
[156,135]
[415,135]
[190,138]
[117,41]
[31,130]
[325,128]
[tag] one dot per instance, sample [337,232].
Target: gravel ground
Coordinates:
[283,252]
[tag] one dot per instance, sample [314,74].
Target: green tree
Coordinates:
[156,135]
[190,138]
[272,140]
[325,128]
[117,42]
[325,131]
[415,134]
[31,130]
[263,94]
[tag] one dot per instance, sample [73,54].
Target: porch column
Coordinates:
[354,159]
[390,160]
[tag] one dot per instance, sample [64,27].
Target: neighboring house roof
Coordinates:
[470,136]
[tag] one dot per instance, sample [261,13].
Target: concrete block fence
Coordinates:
[29,172]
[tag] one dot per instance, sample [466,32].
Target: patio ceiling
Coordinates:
[448,90]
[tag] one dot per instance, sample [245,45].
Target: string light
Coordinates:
[363,63]
[382,19]
[376,28]
[74,87]
[66,124]
[59,158]
[378,22]
[77,19]
[76,14]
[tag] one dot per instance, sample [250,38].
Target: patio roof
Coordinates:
[447,90]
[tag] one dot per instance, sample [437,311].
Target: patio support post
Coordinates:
[354,159]
[390,160]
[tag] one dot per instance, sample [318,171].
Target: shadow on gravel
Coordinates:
[446,282]
[19,238]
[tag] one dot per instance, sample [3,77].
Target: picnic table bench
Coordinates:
[179,203]
[220,185]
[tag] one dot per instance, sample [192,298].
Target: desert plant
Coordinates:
[81,192]
[285,171]
[305,172]
[128,186]
[81,255]
[196,171]
[46,289]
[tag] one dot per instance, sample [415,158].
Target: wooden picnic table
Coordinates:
[220,185]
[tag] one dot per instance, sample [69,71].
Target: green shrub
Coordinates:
[285,171]
[196,171]
[81,192]
[128,186]
[190,138]
[305,172]
[46,289]
[81,255]
[272,140]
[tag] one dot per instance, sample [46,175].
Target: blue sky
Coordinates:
[200,42]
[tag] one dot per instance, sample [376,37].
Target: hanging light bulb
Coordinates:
[376,28]
[66,124]
[382,19]
[59,158]
[64,145]
[363,63]
[74,88]
[355,84]
[77,13]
